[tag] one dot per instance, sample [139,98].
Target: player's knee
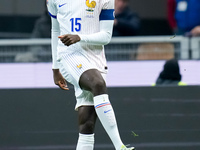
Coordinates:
[87,127]
[99,84]
[99,87]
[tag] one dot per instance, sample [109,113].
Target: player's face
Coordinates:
[120,5]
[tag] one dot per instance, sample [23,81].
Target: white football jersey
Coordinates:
[82,17]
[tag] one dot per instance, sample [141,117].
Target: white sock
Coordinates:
[106,115]
[85,142]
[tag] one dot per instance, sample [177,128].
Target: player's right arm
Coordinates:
[55,32]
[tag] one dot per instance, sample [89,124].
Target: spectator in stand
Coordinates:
[42,29]
[195,31]
[183,17]
[170,74]
[126,23]
[171,8]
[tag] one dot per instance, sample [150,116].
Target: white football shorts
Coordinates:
[71,67]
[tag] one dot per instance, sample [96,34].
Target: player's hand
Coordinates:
[59,80]
[69,39]
[195,31]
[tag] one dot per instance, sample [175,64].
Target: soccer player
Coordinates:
[80,28]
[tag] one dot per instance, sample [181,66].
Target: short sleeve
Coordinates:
[52,9]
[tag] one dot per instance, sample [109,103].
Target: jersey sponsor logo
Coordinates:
[91,5]
[62,5]
[79,66]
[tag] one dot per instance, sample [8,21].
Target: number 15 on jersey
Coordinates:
[75,24]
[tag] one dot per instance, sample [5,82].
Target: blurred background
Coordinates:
[18,16]
[153,79]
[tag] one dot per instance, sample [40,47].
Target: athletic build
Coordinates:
[80,28]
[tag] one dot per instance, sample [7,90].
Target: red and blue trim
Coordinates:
[102,104]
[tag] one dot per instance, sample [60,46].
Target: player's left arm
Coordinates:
[102,37]
[106,18]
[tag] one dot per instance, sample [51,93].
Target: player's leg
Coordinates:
[76,69]
[93,81]
[87,119]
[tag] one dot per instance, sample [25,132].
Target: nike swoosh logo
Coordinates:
[107,111]
[62,4]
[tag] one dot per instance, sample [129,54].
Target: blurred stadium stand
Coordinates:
[120,49]
[14,26]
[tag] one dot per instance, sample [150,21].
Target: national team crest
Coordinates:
[90,5]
